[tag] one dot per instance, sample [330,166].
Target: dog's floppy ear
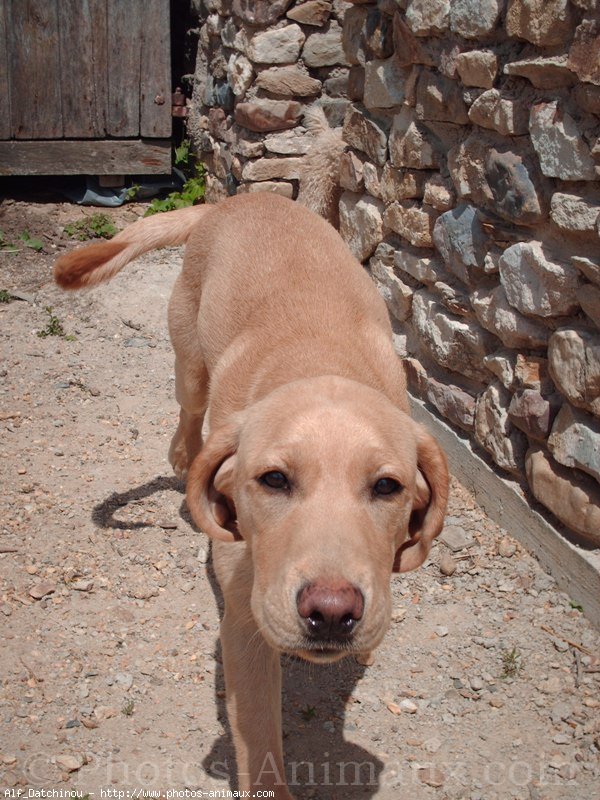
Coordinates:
[210,484]
[429,506]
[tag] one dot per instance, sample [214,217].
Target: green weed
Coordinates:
[191,194]
[54,327]
[308,713]
[128,708]
[29,241]
[98,226]
[512,663]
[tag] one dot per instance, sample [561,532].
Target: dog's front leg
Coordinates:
[253,687]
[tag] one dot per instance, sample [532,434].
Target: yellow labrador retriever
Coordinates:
[314,481]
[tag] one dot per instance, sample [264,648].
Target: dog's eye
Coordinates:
[274,480]
[385,486]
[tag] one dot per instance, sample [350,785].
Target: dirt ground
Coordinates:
[485,688]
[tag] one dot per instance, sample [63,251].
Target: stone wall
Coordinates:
[471,190]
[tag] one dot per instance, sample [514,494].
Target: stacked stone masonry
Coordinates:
[471,191]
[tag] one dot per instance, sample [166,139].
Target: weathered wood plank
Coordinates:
[4,82]
[155,80]
[135,157]
[34,69]
[577,571]
[125,32]
[83,47]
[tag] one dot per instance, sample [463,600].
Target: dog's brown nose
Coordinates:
[330,610]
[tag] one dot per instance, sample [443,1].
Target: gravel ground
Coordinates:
[486,686]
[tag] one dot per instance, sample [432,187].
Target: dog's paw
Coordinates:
[178,458]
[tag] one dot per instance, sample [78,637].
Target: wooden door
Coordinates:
[86,86]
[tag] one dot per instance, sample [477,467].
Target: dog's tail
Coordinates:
[96,263]
[319,183]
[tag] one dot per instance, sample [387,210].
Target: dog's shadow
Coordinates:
[320,763]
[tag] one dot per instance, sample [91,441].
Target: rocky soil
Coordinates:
[486,687]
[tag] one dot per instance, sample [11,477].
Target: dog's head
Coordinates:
[332,487]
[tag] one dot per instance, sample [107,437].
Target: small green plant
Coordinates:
[7,246]
[132,193]
[54,327]
[512,663]
[128,708]
[29,241]
[98,226]
[5,296]
[308,713]
[183,154]
[191,193]
[576,606]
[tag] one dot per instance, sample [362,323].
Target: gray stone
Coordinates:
[288,143]
[462,242]
[239,74]
[352,35]
[361,223]
[412,221]
[544,72]
[587,98]
[279,46]
[456,538]
[531,372]
[372,177]
[494,430]
[268,169]
[428,17]
[378,35]
[584,55]
[541,22]
[502,365]
[439,193]
[422,268]
[477,68]
[493,111]
[277,187]
[454,297]
[575,440]
[260,12]
[313,12]
[574,363]
[589,300]
[573,212]
[560,147]
[591,269]
[440,99]
[396,293]
[398,184]
[513,329]
[337,83]
[409,146]
[455,343]
[475,19]
[532,413]
[324,49]
[356,83]
[288,81]
[534,284]
[515,195]
[268,115]
[452,402]
[384,83]
[366,134]
[410,49]
[351,173]
[571,496]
